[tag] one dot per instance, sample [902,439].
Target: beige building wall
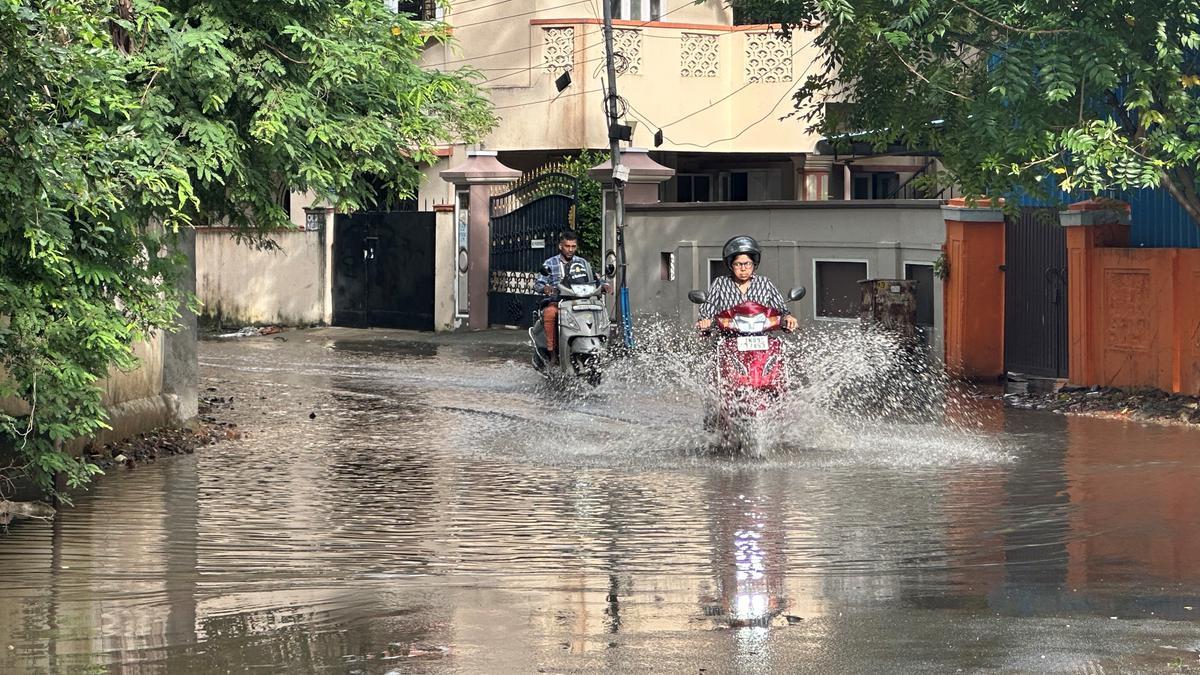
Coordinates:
[135,399]
[732,83]
[238,284]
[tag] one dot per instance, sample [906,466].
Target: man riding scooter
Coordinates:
[564,265]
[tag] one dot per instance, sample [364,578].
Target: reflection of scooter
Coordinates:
[750,370]
[583,327]
[747,538]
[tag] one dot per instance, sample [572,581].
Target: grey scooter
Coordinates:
[583,326]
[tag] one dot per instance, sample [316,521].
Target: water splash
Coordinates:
[866,394]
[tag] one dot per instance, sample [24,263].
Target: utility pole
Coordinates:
[611,102]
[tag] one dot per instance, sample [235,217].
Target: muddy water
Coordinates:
[441,513]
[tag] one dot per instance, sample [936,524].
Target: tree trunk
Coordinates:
[1181,183]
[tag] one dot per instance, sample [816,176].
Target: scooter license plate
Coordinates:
[752,343]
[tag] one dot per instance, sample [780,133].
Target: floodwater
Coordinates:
[443,512]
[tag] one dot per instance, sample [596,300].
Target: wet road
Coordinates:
[443,514]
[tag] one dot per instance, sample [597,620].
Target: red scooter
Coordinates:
[750,370]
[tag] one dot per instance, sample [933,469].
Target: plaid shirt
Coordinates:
[560,268]
[723,293]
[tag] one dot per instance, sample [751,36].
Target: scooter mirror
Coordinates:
[545,270]
[610,270]
[698,297]
[796,293]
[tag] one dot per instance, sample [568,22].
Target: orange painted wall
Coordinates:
[1135,315]
[974,299]
[1187,291]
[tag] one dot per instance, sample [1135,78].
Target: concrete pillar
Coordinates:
[1090,225]
[812,173]
[645,175]
[645,178]
[974,289]
[319,219]
[181,368]
[445,268]
[479,174]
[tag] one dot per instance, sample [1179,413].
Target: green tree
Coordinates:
[1101,95]
[120,125]
[588,204]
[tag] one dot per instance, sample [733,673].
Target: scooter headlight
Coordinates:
[752,323]
[567,318]
[583,290]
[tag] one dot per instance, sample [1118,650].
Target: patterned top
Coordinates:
[723,293]
[560,268]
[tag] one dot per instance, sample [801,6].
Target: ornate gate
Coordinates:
[1035,293]
[525,225]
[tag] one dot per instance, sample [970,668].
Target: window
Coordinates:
[922,273]
[667,267]
[880,185]
[747,186]
[637,10]
[838,294]
[716,268]
[693,188]
[422,10]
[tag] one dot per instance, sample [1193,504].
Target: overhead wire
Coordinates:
[789,91]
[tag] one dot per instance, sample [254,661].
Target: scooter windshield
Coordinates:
[580,285]
[749,317]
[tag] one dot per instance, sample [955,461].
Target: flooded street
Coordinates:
[409,507]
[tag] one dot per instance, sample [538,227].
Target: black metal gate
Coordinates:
[1035,298]
[383,270]
[525,225]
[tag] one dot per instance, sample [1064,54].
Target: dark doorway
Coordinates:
[1035,298]
[383,270]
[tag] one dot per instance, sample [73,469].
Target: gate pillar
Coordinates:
[1090,224]
[974,289]
[479,174]
[645,174]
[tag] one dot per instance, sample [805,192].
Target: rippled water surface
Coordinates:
[444,512]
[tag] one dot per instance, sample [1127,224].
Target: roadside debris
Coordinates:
[1148,405]
[207,429]
[251,331]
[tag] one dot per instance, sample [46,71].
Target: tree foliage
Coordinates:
[121,124]
[588,203]
[1100,95]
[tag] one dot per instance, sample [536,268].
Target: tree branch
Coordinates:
[922,77]
[1001,24]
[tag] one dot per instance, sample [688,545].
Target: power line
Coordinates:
[645,118]
[510,16]
[546,100]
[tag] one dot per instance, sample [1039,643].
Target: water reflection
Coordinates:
[437,513]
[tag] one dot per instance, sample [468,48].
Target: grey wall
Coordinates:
[885,234]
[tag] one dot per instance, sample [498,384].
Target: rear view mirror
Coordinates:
[698,297]
[545,270]
[610,270]
[796,293]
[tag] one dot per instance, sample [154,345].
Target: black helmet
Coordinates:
[739,245]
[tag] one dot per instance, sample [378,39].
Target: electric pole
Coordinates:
[611,103]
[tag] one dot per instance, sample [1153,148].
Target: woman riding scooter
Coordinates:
[742,255]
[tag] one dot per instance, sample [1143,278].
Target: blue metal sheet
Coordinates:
[1156,219]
